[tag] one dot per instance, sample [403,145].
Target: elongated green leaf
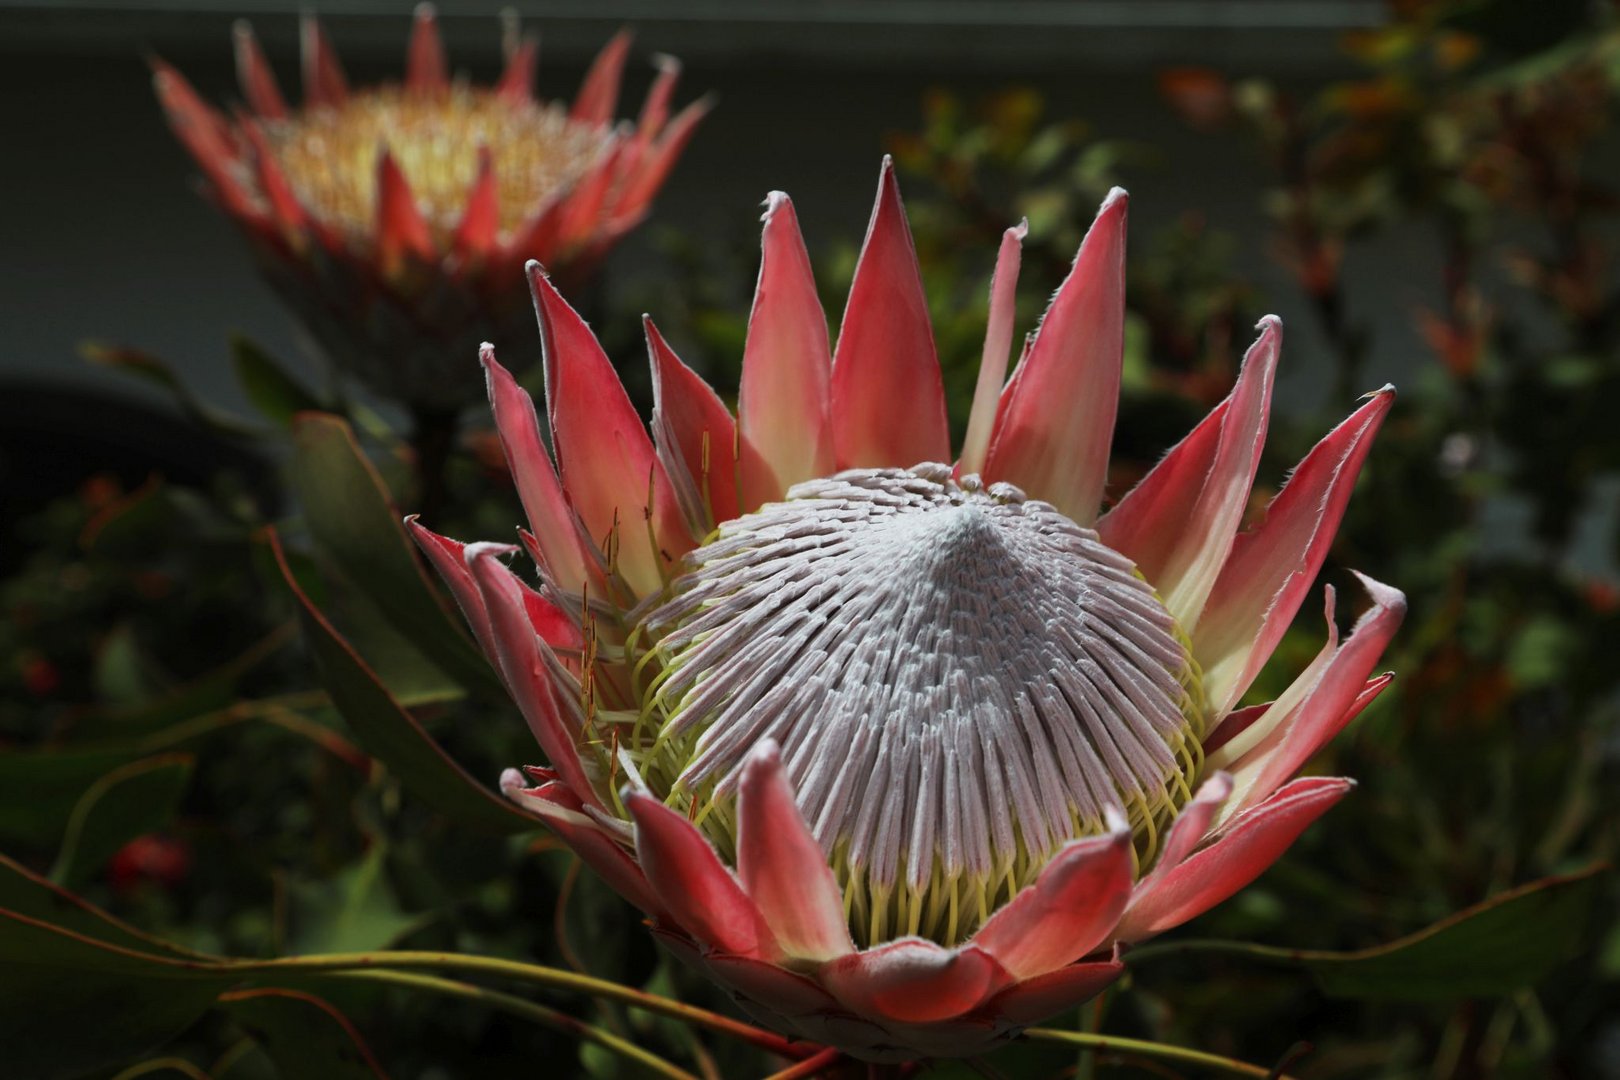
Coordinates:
[275,393]
[354,911]
[392,656]
[305,1035]
[398,664]
[352,518]
[207,693]
[390,733]
[70,1003]
[42,787]
[131,800]
[24,892]
[1506,942]
[1509,941]
[120,675]
[153,369]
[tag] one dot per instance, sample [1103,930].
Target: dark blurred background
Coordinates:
[808,94]
[108,240]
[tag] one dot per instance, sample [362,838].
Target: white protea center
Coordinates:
[961,679]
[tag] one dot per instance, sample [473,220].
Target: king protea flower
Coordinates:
[898,751]
[395,220]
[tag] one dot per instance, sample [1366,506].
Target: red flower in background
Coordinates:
[151,858]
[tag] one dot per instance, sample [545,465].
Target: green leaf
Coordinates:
[41,789]
[1609,955]
[1512,940]
[145,365]
[351,517]
[1541,653]
[132,799]
[210,692]
[354,911]
[119,677]
[304,1035]
[70,1003]
[398,664]
[276,394]
[390,733]
[24,892]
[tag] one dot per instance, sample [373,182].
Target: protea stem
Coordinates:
[533,974]
[1144,1048]
[529,1010]
[810,1066]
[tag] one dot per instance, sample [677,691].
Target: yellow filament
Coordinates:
[329,155]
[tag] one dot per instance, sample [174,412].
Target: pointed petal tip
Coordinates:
[886,351]
[541,289]
[480,551]
[513,783]
[1386,391]
[1020,231]
[538,280]
[1385,596]
[1219,786]
[764,758]
[1117,196]
[487,360]
[775,201]
[666,64]
[1070,909]
[888,184]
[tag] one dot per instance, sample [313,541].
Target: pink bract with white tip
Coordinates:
[901,753]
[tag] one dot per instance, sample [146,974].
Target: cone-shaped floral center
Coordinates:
[960,679]
[329,154]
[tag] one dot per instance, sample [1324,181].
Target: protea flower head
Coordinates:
[901,752]
[395,220]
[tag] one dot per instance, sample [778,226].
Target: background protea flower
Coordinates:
[902,753]
[395,220]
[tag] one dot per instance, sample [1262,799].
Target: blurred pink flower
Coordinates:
[899,752]
[395,220]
